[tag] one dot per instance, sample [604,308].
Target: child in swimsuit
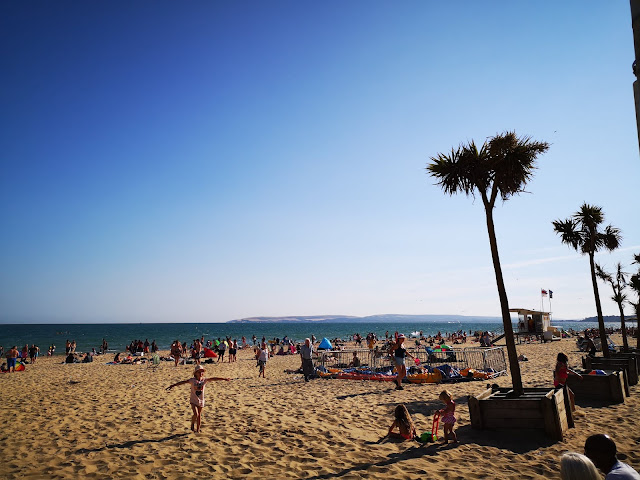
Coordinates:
[561,374]
[448,416]
[404,424]
[197,394]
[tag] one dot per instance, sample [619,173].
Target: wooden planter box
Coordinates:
[538,408]
[609,387]
[634,355]
[627,364]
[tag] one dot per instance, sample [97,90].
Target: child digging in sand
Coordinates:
[197,394]
[448,416]
[404,424]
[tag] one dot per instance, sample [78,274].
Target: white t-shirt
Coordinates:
[622,471]
[264,355]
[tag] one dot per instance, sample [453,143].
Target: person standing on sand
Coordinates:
[33,353]
[263,356]
[398,353]
[12,356]
[176,351]
[221,349]
[561,374]
[306,352]
[196,398]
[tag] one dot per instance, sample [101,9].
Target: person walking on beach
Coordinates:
[197,382]
[306,352]
[398,353]
[12,356]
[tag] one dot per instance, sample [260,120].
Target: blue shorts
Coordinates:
[399,361]
[11,362]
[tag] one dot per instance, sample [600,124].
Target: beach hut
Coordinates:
[325,344]
[534,322]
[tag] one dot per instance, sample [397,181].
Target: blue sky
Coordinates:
[207,161]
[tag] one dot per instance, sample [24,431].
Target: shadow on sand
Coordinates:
[132,443]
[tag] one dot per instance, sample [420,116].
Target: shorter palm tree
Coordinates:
[617,285]
[580,231]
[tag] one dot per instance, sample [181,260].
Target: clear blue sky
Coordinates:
[207,161]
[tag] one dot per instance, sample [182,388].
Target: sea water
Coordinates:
[118,335]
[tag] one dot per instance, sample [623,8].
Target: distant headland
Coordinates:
[386,318]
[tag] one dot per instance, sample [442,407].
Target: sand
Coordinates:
[118,421]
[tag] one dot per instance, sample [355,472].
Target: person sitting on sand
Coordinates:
[574,466]
[87,358]
[601,449]
[355,362]
[196,399]
[404,424]
[116,358]
[561,374]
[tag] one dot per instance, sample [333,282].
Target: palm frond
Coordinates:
[603,275]
[569,233]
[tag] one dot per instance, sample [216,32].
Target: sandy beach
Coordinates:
[118,421]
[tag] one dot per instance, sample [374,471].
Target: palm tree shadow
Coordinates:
[410,453]
[132,443]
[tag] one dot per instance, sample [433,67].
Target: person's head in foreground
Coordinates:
[307,342]
[574,466]
[198,372]
[601,449]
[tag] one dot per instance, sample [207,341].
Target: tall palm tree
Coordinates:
[634,283]
[617,285]
[499,169]
[580,231]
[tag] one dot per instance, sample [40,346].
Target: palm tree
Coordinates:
[634,283]
[580,231]
[499,169]
[617,285]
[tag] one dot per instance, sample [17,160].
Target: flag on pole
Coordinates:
[543,293]
[550,293]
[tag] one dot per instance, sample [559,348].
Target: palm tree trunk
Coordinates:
[603,333]
[514,366]
[625,344]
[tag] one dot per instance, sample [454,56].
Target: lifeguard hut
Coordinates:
[534,322]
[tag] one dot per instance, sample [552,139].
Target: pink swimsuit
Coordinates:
[449,416]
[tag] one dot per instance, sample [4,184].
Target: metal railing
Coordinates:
[472,357]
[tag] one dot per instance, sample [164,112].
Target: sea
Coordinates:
[119,335]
